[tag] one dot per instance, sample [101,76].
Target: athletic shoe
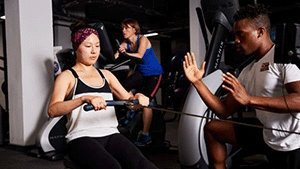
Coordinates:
[143,140]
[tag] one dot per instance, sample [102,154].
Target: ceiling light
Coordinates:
[151,34]
[3,17]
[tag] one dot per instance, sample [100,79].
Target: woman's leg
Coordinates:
[128,155]
[90,153]
[134,81]
[147,119]
[151,87]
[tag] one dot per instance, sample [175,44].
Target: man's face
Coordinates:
[246,37]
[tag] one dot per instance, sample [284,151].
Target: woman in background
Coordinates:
[148,75]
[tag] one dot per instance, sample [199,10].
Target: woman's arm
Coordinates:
[121,49]
[115,86]
[62,87]
[144,43]
[119,91]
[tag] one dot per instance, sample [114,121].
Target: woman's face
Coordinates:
[89,50]
[128,31]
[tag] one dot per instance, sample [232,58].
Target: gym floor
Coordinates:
[12,157]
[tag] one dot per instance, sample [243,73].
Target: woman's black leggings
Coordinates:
[149,84]
[113,152]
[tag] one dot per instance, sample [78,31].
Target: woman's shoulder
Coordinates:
[65,75]
[144,39]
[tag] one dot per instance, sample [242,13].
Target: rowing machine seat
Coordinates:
[69,164]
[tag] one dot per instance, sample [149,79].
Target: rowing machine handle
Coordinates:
[89,106]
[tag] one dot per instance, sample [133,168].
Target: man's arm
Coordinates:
[194,75]
[288,103]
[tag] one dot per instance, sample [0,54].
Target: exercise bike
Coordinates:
[191,144]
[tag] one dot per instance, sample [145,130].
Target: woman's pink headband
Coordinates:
[80,35]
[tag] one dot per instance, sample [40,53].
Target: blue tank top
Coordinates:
[151,65]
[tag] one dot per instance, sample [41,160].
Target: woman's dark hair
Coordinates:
[133,23]
[258,14]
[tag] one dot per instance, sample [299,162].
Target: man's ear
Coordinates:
[261,31]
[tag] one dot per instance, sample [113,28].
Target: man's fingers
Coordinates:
[203,65]
[193,60]
[190,61]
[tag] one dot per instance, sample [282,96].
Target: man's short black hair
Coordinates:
[258,14]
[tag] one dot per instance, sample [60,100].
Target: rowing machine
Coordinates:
[51,142]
